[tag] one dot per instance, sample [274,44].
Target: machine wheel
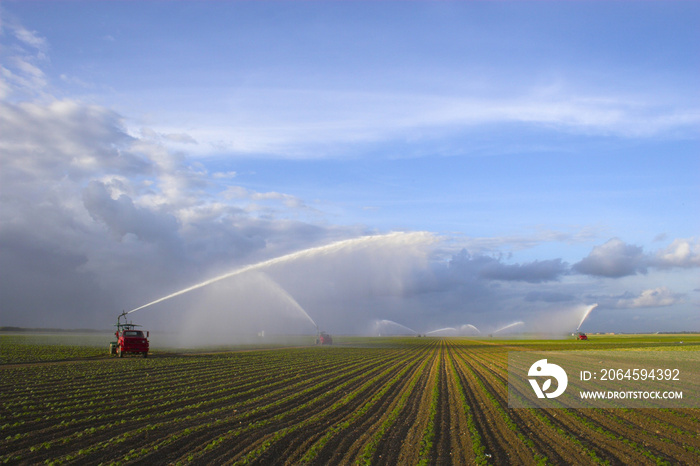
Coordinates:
[145,355]
[119,352]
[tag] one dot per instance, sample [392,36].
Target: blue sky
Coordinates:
[555,143]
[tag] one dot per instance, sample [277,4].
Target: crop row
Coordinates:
[394,401]
[601,435]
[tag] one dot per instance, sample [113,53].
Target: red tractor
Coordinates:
[581,336]
[324,339]
[129,340]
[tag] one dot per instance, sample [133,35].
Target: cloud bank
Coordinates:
[99,216]
[617,259]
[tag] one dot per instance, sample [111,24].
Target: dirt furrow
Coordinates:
[354,447]
[294,444]
[607,435]
[502,444]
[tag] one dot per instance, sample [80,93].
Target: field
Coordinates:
[362,401]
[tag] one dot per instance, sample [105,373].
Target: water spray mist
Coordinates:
[585,315]
[401,238]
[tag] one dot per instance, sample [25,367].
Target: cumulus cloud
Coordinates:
[96,219]
[683,253]
[122,213]
[657,297]
[615,258]
[122,217]
[99,219]
[64,138]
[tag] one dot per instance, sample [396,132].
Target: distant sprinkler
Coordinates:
[392,328]
[466,327]
[514,324]
[585,315]
[443,331]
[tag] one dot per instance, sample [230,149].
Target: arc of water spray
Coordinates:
[441,330]
[470,326]
[585,315]
[391,322]
[409,238]
[509,326]
[277,288]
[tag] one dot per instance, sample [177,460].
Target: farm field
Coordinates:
[362,401]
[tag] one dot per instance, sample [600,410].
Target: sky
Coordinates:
[441,163]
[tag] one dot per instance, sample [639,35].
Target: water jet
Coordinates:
[506,327]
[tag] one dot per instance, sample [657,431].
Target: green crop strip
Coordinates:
[345,400]
[295,405]
[478,448]
[338,427]
[503,366]
[429,433]
[123,437]
[540,459]
[368,452]
[591,425]
[598,429]
[188,407]
[248,414]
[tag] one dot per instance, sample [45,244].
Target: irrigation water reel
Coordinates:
[130,340]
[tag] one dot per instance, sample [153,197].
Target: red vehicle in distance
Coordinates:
[581,336]
[324,339]
[129,339]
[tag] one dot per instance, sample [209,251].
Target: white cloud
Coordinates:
[615,258]
[239,192]
[180,138]
[31,38]
[21,72]
[224,175]
[292,123]
[120,216]
[657,297]
[682,253]
[117,218]
[64,138]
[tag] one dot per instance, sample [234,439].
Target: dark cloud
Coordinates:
[613,259]
[531,272]
[44,285]
[486,267]
[122,217]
